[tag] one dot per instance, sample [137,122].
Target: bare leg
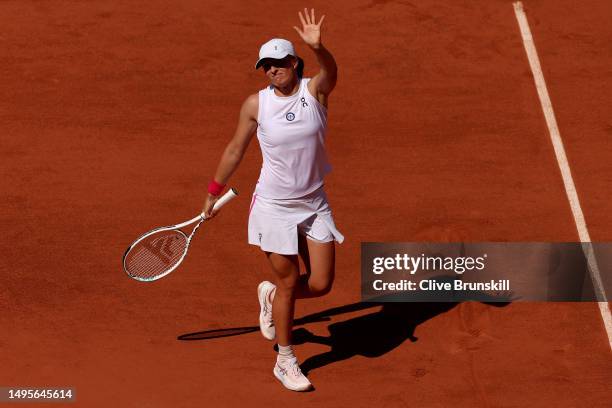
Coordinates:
[319,260]
[286,270]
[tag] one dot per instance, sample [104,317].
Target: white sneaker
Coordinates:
[266,325]
[291,376]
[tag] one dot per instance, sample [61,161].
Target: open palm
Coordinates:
[310,31]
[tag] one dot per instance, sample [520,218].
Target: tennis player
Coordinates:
[289,214]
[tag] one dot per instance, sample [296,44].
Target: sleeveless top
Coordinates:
[291,133]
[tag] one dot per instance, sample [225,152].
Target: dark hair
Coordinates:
[300,67]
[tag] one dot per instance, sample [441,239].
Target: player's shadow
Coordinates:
[373,334]
[370,335]
[377,333]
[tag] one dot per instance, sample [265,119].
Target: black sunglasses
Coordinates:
[268,63]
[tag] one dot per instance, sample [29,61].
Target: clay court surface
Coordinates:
[113,118]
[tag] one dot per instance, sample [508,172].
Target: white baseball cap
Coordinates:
[276,48]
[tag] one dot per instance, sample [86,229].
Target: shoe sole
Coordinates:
[299,389]
[261,312]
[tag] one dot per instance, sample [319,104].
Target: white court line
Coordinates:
[568,181]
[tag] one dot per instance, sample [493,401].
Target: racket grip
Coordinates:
[225,198]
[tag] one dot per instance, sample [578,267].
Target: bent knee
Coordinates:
[321,287]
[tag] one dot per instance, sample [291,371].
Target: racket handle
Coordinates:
[225,198]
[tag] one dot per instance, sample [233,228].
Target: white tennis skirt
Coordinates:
[274,225]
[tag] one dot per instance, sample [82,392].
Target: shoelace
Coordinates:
[293,368]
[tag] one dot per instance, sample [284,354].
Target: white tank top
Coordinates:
[291,133]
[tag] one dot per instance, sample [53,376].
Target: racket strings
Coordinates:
[156,254]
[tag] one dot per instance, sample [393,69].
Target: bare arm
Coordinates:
[324,82]
[234,151]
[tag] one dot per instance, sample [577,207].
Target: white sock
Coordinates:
[285,353]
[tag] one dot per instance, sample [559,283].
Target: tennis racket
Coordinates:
[160,251]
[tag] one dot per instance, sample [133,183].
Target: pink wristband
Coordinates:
[215,188]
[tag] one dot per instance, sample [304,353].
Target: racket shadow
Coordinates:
[322,316]
[217,333]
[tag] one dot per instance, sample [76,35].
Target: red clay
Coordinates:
[114,115]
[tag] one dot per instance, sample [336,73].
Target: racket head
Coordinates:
[155,254]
